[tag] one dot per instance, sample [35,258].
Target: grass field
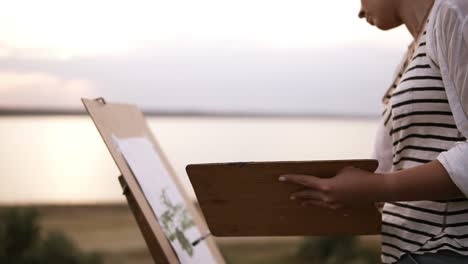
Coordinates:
[111,230]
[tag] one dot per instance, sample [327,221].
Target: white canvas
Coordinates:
[165,199]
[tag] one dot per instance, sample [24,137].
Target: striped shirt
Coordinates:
[420,125]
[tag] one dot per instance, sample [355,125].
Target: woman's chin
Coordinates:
[382,26]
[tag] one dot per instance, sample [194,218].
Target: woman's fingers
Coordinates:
[307,195]
[305,180]
[315,198]
[317,193]
[315,203]
[333,206]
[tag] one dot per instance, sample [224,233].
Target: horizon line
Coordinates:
[185,113]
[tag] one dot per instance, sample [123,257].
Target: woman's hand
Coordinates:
[350,187]
[354,187]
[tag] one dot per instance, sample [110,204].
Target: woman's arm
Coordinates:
[353,187]
[426,182]
[448,46]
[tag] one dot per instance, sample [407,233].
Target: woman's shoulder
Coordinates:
[450,11]
[447,28]
[447,42]
[460,5]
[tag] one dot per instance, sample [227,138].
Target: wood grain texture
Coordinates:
[246,199]
[124,121]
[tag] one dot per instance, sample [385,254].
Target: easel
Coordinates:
[151,241]
[127,121]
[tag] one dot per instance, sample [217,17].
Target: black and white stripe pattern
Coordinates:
[420,122]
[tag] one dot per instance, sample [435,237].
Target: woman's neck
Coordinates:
[413,14]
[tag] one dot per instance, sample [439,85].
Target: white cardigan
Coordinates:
[448,47]
[447,41]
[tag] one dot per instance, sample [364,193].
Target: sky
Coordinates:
[269,56]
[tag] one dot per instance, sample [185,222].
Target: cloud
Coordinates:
[337,80]
[67,29]
[38,89]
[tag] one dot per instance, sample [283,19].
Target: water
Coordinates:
[57,159]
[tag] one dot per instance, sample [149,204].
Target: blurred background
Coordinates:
[219,80]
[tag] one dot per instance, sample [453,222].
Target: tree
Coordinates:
[336,250]
[21,242]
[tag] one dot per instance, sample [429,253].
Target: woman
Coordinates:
[421,144]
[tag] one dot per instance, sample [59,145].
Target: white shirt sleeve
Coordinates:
[450,48]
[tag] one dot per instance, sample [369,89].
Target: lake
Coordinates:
[62,159]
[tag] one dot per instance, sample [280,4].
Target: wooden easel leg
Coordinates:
[155,249]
